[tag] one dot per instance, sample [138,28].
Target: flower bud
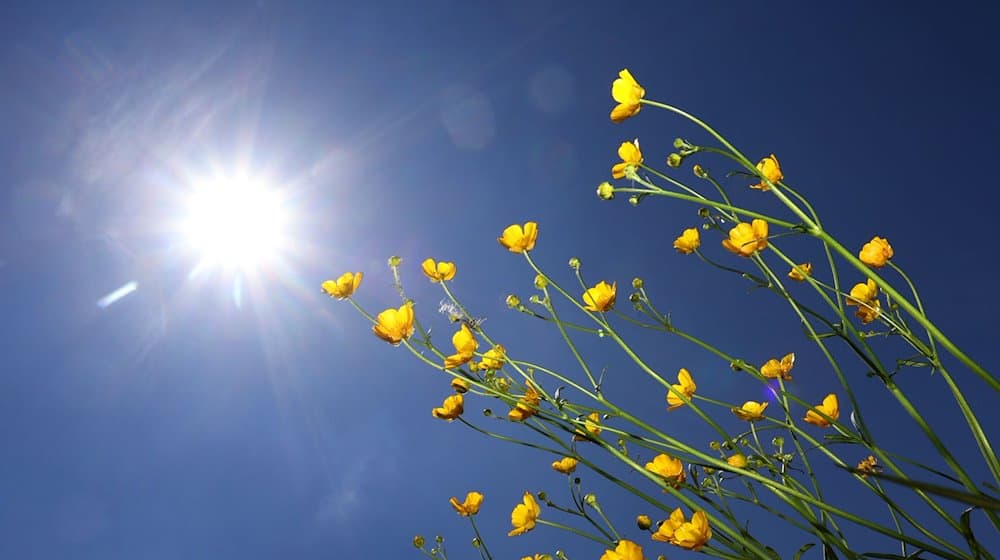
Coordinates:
[418,541]
[487,412]
[476,543]
[543,496]
[704,212]
[699,171]
[637,283]
[634,200]
[541,282]
[395,261]
[714,445]
[778,442]
[574,263]
[535,299]
[605,191]
[513,301]
[644,522]
[675,160]
[679,143]
[590,500]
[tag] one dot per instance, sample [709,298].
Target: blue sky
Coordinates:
[184,420]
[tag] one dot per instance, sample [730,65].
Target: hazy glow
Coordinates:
[118,294]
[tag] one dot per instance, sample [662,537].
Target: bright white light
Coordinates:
[235,223]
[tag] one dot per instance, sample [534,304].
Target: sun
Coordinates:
[235,222]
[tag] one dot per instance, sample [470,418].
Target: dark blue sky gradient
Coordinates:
[182,421]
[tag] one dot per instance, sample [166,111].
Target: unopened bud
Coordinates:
[675,160]
[679,143]
[513,301]
[574,263]
[778,442]
[634,200]
[590,500]
[637,283]
[714,445]
[418,541]
[699,171]
[644,522]
[541,282]
[543,496]
[395,261]
[634,297]
[476,543]
[605,191]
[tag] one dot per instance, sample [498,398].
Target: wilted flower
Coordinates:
[601,297]
[452,408]
[566,465]
[876,252]
[746,239]
[768,168]
[465,347]
[524,515]
[750,410]
[865,296]
[830,407]
[631,157]
[526,406]
[670,468]
[459,385]
[394,325]
[799,272]
[593,426]
[685,385]
[344,286]
[626,550]
[470,506]
[737,460]
[438,271]
[517,239]
[688,241]
[868,465]
[774,369]
[628,93]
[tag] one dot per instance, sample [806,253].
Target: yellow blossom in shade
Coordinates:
[670,468]
[628,93]
[750,410]
[737,460]
[746,239]
[631,157]
[643,522]
[494,358]
[769,168]
[526,406]
[830,407]
[688,241]
[868,465]
[693,534]
[865,297]
[601,297]
[344,286]
[519,239]
[685,385]
[774,369]
[876,252]
[394,325]
[566,465]
[626,550]
[665,532]
[593,426]
[524,515]
[470,506]
[438,271]
[452,408]
[799,272]
[459,385]
[465,347]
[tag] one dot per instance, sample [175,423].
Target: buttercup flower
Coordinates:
[518,239]
[774,369]
[626,550]
[768,167]
[746,239]
[459,385]
[876,252]
[526,406]
[799,272]
[538,557]
[751,410]
[452,408]
[868,465]
[470,506]
[465,347]
[344,286]
[566,465]
[693,534]
[865,296]
[524,515]
[631,156]
[669,468]
[665,532]
[688,241]
[394,325]
[628,93]
[438,271]
[494,358]
[737,460]
[601,297]
[685,385]
[830,407]
[593,426]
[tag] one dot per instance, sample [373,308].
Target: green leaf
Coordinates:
[805,548]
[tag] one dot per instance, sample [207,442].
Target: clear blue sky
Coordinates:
[182,421]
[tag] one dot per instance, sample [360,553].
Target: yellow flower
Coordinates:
[865,296]
[799,273]
[517,239]
[452,408]
[459,385]
[631,157]
[774,369]
[438,271]
[538,557]
[593,426]
[566,465]
[628,93]
[768,168]
[830,407]
[526,407]
[643,522]
[524,515]
[746,239]
[685,385]
[868,465]
[665,532]
[737,460]
[688,241]
[465,347]
[693,534]
[626,550]
[601,297]
[669,468]
[470,506]
[876,252]
[494,358]
[344,286]
[750,411]
[394,325]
